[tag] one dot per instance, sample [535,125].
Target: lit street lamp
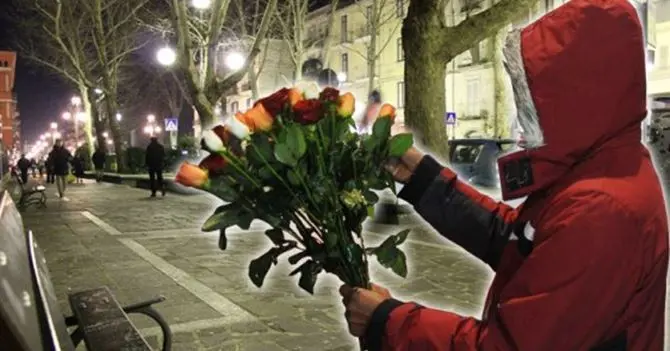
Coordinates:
[201,4]
[342,77]
[151,128]
[54,125]
[234,61]
[166,56]
[76,101]
[119,117]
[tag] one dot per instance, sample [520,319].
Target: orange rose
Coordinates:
[294,95]
[387,111]
[192,176]
[346,104]
[258,118]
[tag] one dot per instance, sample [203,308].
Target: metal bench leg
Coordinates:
[150,312]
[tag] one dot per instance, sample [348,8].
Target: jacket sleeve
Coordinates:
[460,213]
[566,296]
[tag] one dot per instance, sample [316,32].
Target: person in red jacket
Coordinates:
[582,264]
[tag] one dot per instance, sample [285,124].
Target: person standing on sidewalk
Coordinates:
[98,159]
[155,155]
[23,165]
[60,158]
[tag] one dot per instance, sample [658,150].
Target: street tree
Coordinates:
[430,43]
[244,26]
[46,34]
[381,26]
[199,33]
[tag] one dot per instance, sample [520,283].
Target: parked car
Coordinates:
[475,160]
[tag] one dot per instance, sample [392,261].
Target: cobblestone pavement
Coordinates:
[103,234]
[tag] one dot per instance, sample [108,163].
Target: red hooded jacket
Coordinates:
[582,264]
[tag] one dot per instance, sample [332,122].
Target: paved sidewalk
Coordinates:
[104,234]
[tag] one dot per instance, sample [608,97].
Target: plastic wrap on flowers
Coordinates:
[295,163]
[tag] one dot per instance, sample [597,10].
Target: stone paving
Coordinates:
[140,247]
[103,234]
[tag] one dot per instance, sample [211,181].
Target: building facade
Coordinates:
[9,122]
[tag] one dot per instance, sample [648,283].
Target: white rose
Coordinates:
[212,141]
[237,128]
[310,89]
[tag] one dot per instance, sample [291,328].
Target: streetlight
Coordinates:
[151,118]
[201,4]
[98,91]
[119,117]
[166,56]
[67,116]
[54,125]
[76,101]
[234,61]
[342,77]
[105,135]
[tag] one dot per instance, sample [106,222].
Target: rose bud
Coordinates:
[214,164]
[387,111]
[329,94]
[258,118]
[237,126]
[346,104]
[192,176]
[294,95]
[275,103]
[211,142]
[308,111]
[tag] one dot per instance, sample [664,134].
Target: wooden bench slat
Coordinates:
[104,324]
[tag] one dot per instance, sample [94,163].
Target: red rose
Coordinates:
[275,103]
[213,163]
[329,94]
[308,111]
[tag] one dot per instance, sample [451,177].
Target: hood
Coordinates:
[579,81]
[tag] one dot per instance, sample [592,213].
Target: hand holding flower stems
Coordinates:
[295,163]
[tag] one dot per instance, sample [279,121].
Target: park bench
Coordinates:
[30,316]
[29,195]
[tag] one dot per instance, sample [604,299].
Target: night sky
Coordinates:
[42,96]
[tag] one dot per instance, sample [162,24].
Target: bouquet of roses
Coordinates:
[297,164]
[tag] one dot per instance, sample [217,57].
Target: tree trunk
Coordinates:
[372,61]
[328,40]
[88,124]
[115,129]
[425,72]
[500,121]
[205,110]
[253,82]
[98,120]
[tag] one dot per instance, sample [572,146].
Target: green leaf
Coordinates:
[224,191]
[382,128]
[293,177]
[260,267]
[223,240]
[276,235]
[401,236]
[228,216]
[284,155]
[399,264]
[296,140]
[309,272]
[399,144]
[259,150]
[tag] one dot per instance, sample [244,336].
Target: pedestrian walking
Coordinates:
[371,112]
[41,166]
[33,167]
[78,168]
[60,159]
[582,263]
[23,164]
[49,163]
[155,155]
[98,159]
